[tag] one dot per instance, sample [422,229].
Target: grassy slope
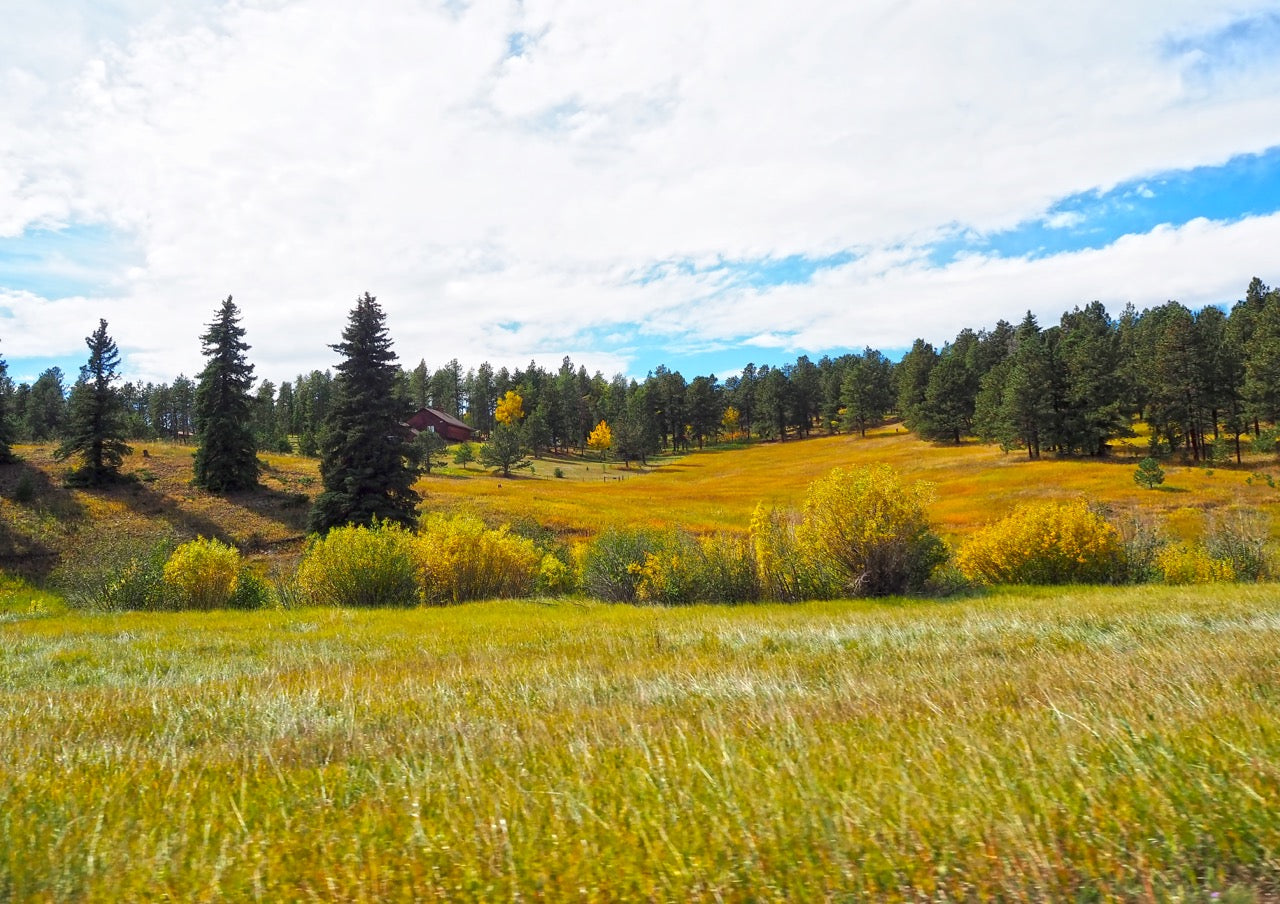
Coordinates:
[705,491]
[1091,743]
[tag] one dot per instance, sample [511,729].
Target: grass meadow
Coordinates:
[1074,744]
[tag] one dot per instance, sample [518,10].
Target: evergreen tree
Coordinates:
[867,390]
[6,425]
[363,466]
[1090,354]
[46,406]
[912,379]
[227,451]
[506,449]
[95,427]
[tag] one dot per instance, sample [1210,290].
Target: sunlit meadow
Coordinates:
[1092,744]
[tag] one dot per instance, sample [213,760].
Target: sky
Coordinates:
[700,183]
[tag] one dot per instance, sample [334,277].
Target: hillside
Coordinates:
[706,491]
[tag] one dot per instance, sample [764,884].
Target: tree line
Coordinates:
[1197,378]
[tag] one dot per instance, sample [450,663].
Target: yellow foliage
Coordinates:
[1044,543]
[359,566]
[1181,563]
[601,438]
[458,559]
[870,531]
[730,421]
[510,408]
[202,574]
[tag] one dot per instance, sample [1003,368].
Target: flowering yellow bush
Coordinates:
[458,558]
[359,566]
[1044,543]
[202,574]
[1183,564]
[869,531]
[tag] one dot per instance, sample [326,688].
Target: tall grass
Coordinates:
[1104,744]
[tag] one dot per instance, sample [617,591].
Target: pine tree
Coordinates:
[6,426]
[227,457]
[96,417]
[363,466]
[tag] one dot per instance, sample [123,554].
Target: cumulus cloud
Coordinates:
[499,173]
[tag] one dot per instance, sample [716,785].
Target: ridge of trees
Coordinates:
[1067,388]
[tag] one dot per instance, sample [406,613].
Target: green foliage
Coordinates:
[7,431]
[115,574]
[610,565]
[427,451]
[459,559]
[354,565]
[227,452]
[202,574]
[252,591]
[506,449]
[1148,474]
[1045,543]
[95,428]
[465,454]
[869,532]
[363,467]
[687,569]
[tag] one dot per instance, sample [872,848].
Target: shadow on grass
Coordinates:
[22,550]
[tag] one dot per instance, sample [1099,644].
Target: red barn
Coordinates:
[446,425]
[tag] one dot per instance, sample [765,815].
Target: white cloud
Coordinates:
[297,154]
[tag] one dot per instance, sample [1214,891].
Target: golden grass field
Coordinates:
[1058,744]
[705,491]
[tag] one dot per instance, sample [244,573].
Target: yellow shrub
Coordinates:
[458,558]
[1044,543]
[1183,564]
[359,566]
[554,576]
[202,574]
[870,531]
[784,573]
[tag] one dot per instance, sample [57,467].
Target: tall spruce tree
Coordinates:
[363,466]
[227,456]
[95,428]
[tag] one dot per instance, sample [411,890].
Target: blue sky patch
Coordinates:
[62,263]
[1248,185]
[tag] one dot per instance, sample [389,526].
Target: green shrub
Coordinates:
[610,566]
[1045,543]
[115,574]
[459,559]
[1240,538]
[870,532]
[201,574]
[685,569]
[1148,474]
[359,566]
[252,591]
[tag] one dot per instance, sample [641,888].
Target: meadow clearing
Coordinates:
[1095,744]
[1049,744]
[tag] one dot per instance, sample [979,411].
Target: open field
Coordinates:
[1079,744]
[707,491]
[717,489]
